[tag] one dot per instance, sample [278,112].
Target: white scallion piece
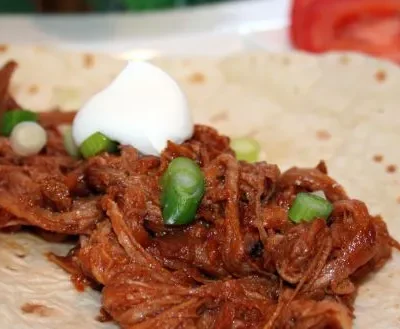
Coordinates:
[28,138]
[69,142]
[246,149]
[319,193]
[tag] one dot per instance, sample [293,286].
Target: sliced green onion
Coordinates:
[307,207]
[183,186]
[69,142]
[96,144]
[12,118]
[28,138]
[246,149]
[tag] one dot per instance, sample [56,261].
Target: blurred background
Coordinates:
[142,29]
[71,6]
[131,28]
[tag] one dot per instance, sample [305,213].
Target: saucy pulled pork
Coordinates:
[240,264]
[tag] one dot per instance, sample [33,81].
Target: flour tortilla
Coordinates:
[301,108]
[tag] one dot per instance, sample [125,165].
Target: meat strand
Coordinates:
[241,264]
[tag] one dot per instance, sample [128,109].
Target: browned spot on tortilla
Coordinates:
[113,76]
[380,76]
[3,48]
[378,158]
[186,62]
[37,309]
[391,168]
[10,268]
[323,135]
[222,116]
[286,61]
[344,59]
[33,89]
[88,61]
[13,245]
[398,199]
[40,49]
[197,77]
[252,133]
[397,306]
[18,249]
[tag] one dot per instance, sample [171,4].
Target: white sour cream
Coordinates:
[143,107]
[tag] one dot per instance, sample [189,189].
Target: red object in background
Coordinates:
[369,26]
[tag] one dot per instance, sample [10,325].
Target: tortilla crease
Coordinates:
[342,108]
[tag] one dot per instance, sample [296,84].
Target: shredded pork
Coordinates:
[241,264]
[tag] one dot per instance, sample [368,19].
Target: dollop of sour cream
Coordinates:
[143,107]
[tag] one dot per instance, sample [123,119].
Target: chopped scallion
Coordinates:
[307,207]
[96,144]
[183,186]
[28,138]
[246,149]
[12,118]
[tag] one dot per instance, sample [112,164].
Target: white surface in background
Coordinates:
[205,30]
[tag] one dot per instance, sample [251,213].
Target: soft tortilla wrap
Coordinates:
[342,108]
